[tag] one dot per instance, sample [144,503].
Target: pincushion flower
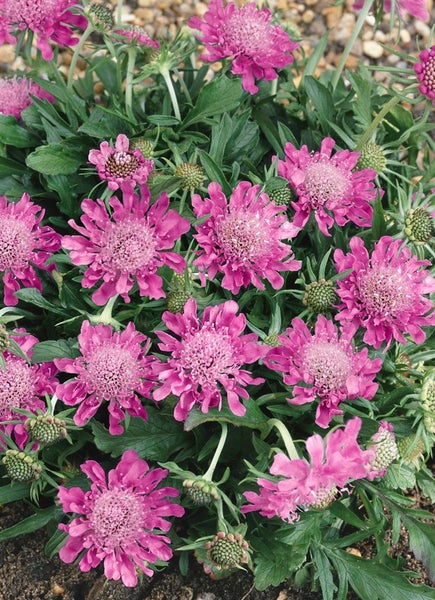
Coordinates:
[384,293]
[22,386]
[425,70]
[247,36]
[136,34]
[16,95]
[121,167]
[205,363]
[50,20]
[324,366]
[242,238]
[113,367]
[334,462]
[328,186]
[416,8]
[126,246]
[121,519]
[24,244]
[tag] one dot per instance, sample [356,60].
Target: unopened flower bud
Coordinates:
[21,466]
[384,443]
[411,448]
[371,157]
[281,196]
[46,429]
[427,397]
[201,492]
[4,339]
[319,296]
[100,15]
[176,299]
[191,175]
[419,226]
[144,145]
[272,340]
[227,550]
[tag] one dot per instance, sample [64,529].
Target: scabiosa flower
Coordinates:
[24,243]
[16,95]
[121,167]
[136,34]
[22,386]
[334,462]
[206,362]
[384,292]
[416,8]
[245,35]
[242,237]
[425,70]
[112,368]
[121,519]
[323,365]
[127,246]
[50,20]
[328,186]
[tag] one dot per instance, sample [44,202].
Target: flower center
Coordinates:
[34,14]
[247,32]
[242,236]
[116,518]
[17,386]
[112,372]
[121,164]
[328,364]
[130,245]
[385,291]
[16,243]
[325,182]
[207,356]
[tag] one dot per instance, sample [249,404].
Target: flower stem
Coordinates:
[119,12]
[131,53]
[350,42]
[371,128]
[210,471]
[164,71]
[105,317]
[286,438]
[72,68]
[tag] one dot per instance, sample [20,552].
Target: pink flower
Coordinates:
[112,368]
[22,386]
[128,245]
[206,361]
[50,20]
[425,70]
[137,34]
[328,186]
[247,36]
[416,8]
[323,365]
[121,519]
[384,293]
[16,95]
[24,243]
[334,462]
[121,167]
[242,237]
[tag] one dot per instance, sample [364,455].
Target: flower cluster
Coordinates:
[16,95]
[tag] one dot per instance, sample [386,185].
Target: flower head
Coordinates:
[22,386]
[127,246]
[112,368]
[386,450]
[248,37]
[334,462]
[328,186]
[384,292]
[416,8]
[206,361]
[50,20]
[24,243]
[137,34]
[16,95]
[120,519]
[425,70]
[242,238]
[323,366]
[121,167]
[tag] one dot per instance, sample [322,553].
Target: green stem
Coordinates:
[210,471]
[119,12]
[168,80]
[371,515]
[131,53]
[72,68]
[348,48]
[286,438]
[105,316]
[371,128]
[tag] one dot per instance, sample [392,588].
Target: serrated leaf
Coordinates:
[12,134]
[422,542]
[54,159]
[254,418]
[324,573]
[219,96]
[272,563]
[399,476]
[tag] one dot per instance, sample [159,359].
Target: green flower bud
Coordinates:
[191,175]
[227,551]
[21,466]
[411,448]
[202,493]
[46,429]
[281,196]
[100,15]
[319,296]
[144,145]
[419,225]
[427,397]
[371,157]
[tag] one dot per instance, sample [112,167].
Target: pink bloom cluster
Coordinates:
[24,243]
[384,292]
[425,70]
[22,386]
[16,95]
[242,238]
[128,245]
[323,366]
[207,359]
[113,368]
[121,519]
[121,167]
[50,20]
[247,36]
[328,186]
[334,463]
[136,34]
[416,8]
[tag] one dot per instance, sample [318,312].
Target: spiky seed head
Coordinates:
[21,466]
[319,296]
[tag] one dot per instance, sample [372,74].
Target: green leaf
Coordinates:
[12,134]
[28,525]
[219,96]
[253,418]
[48,350]
[399,475]
[34,296]
[422,542]
[214,172]
[14,491]
[163,120]
[324,573]
[272,563]
[11,167]
[105,124]
[322,100]
[54,159]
